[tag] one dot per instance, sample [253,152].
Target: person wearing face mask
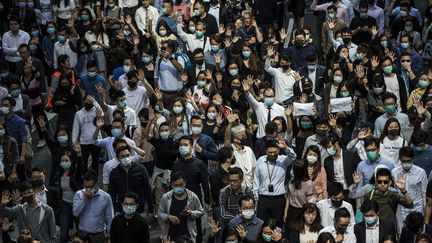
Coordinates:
[423,151]
[300,50]
[322,129]
[204,146]
[271,233]
[91,80]
[372,229]
[394,83]
[247,222]
[197,39]
[332,24]
[391,141]
[214,125]
[271,131]
[403,12]
[361,25]
[167,15]
[367,167]
[199,13]
[94,208]
[416,182]
[285,78]
[411,63]
[316,74]
[9,157]
[341,13]
[137,93]
[193,71]
[26,14]
[217,55]
[316,171]
[121,103]
[390,104]
[341,228]
[266,110]
[23,107]
[219,178]
[422,86]
[129,226]
[179,209]
[415,230]
[142,13]
[129,176]
[66,102]
[43,227]
[415,35]
[379,190]
[63,46]
[269,180]
[195,170]
[49,195]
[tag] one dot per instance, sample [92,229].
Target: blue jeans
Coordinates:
[65,222]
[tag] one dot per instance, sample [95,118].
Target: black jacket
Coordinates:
[134,180]
[385,228]
[196,176]
[350,162]
[192,73]
[320,78]
[134,230]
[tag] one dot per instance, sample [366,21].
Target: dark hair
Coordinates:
[270,128]
[60,128]
[187,137]
[236,171]
[341,213]
[119,120]
[119,150]
[246,198]
[418,137]
[91,64]
[11,100]
[300,173]
[331,7]
[371,141]
[317,167]
[414,221]
[423,236]
[195,117]
[131,74]
[61,60]
[334,188]
[325,237]
[13,18]
[27,185]
[198,51]
[271,144]
[299,223]
[24,45]
[177,175]
[117,94]
[37,169]
[406,151]
[390,237]
[224,153]
[282,121]
[229,231]
[133,195]
[387,124]
[381,172]
[388,95]
[369,205]
[91,175]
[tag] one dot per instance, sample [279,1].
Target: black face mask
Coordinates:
[272,157]
[143,124]
[307,90]
[132,85]
[199,62]
[340,230]
[284,66]
[393,132]
[321,133]
[298,43]
[235,87]
[346,40]
[66,87]
[336,204]
[38,182]
[88,106]
[242,141]
[27,199]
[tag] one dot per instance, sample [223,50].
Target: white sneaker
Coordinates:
[41,143]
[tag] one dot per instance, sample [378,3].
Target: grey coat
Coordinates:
[45,231]
[192,202]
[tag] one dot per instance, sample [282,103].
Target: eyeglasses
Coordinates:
[385,182]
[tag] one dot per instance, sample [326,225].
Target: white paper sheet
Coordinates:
[301,109]
[341,104]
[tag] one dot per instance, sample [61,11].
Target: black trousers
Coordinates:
[271,207]
[94,151]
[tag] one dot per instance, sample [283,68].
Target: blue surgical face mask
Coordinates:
[337,79]
[51,30]
[61,38]
[331,151]
[116,132]
[129,209]
[405,45]
[62,139]
[246,54]
[2,132]
[65,165]
[384,44]
[15,93]
[146,59]
[370,220]
[126,162]
[122,104]
[184,150]
[268,101]
[233,72]
[35,33]
[178,190]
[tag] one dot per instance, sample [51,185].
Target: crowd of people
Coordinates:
[215,120]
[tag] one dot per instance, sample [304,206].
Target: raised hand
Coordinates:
[219,119]
[6,198]
[289,110]
[77,147]
[221,29]
[214,227]
[209,74]
[136,40]
[173,219]
[218,57]
[16,197]
[283,34]
[270,51]
[41,121]
[246,86]
[128,19]
[357,177]
[241,231]
[228,31]
[227,43]
[400,181]
[276,235]
[359,70]
[297,76]
[331,24]
[332,120]
[166,239]
[374,62]
[374,31]
[282,144]
[319,188]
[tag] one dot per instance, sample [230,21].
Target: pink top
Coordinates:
[321,178]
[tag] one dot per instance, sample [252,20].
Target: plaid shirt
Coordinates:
[229,202]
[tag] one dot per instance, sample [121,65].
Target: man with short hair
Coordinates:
[198,11]
[129,226]
[179,209]
[199,39]
[199,65]
[49,195]
[31,214]
[361,26]
[129,176]
[247,221]
[422,151]
[93,207]
[11,40]
[90,81]
[63,46]
[390,104]
[342,230]
[204,146]
[372,229]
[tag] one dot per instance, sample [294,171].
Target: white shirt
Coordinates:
[348,237]
[193,42]
[390,149]
[339,174]
[107,143]
[141,18]
[246,161]
[167,75]
[214,10]
[262,110]
[64,12]
[327,212]
[312,76]
[10,44]
[41,196]
[392,86]
[60,49]
[19,104]
[372,233]
[128,112]
[83,127]
[127,3]
[137,99]
[283,82]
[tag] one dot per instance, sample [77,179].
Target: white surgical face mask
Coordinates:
[248,214]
